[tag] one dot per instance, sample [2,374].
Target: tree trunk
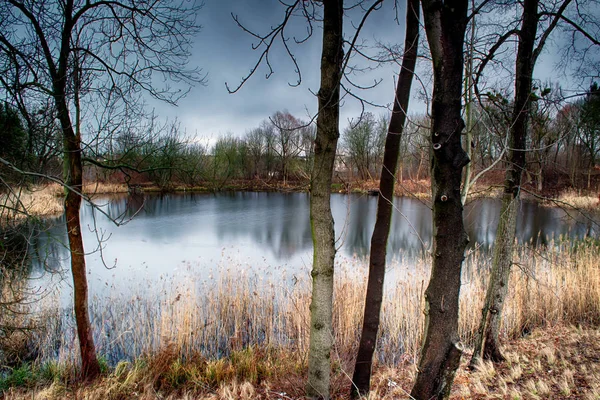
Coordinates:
[469,111]
[321,334]
[73,177]
[445,25]
[90,368]
[487,343]
[374,296]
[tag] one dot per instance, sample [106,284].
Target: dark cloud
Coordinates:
[224,52]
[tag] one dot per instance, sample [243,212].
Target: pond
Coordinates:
[168,235]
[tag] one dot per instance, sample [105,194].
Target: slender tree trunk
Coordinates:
[73,177]
[487,343]
[90,368]
[321,308]
[445,25]
[469,111]
[374,296]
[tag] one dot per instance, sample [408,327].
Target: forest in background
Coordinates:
[565,145]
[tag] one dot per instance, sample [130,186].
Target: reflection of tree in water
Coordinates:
[277,221]
[409,239]
[278,224]
[48,251]
[357,240]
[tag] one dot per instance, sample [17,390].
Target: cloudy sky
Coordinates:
[224,52]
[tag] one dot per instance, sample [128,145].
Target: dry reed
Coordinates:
[36,201]
[559,284]
[578,200]
[237,333]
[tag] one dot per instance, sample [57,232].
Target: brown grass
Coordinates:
[35,201]
[47,200]
[578,200]
[214,337]
[574,374]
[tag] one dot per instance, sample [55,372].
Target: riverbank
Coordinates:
[244,336]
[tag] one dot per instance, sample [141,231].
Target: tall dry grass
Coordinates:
[240,307]
[35,201]
[46,200]
[578,200]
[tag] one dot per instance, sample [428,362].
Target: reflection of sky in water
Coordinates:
[176,235]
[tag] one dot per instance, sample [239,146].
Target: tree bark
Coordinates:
[487,343]
[445,26]
[73,177]
[90,368]
[364,361]
[321,308]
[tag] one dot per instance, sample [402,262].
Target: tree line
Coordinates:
[565,147]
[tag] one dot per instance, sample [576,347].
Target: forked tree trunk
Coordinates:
[321,308]
[487,343]
[445,25]
[364,360]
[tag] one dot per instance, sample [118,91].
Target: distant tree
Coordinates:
[362,142]
[226,162]
[588,127]
[99,53]
[13,137]
[256,144]
[307,137]
[288,140]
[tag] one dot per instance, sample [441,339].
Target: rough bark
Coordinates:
[445,25]
[321,308]
[364,361]
[487,341]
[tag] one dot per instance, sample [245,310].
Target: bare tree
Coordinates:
[289,140]
[97,51]
[328,119]
[535,14]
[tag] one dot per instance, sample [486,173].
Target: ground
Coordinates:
[549,363]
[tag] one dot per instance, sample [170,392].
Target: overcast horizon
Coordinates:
[224,52]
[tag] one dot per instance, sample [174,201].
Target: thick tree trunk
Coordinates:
[487,343]
[362,370]
[321,308]
[445,25]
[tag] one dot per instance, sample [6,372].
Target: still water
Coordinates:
[165,235]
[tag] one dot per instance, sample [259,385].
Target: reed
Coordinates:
[241,326]
[579,200]
[241,307]
[46,200]
[34,201]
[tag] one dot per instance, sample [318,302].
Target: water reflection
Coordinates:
[267,230]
